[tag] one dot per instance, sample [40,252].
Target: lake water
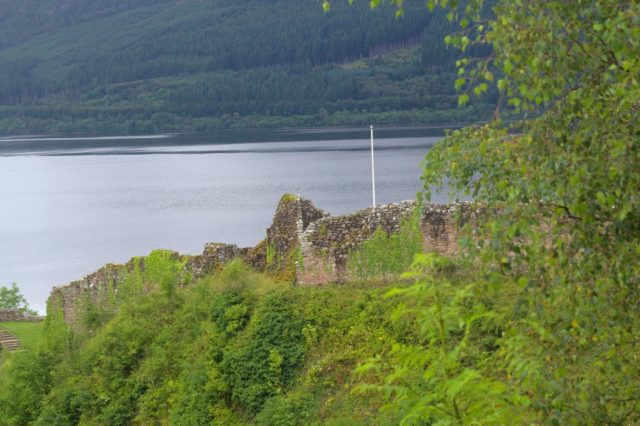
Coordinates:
[70,205]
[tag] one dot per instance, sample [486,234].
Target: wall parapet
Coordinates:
[93,288]
[304,244]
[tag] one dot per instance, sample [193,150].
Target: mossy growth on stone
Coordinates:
[322,230]
[289,198]
[387,255]
[299,259]
[257,256]
[283,267]
[271,256]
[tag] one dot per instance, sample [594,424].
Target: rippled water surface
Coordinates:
[70,205]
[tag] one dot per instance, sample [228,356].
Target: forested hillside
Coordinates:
[153,65]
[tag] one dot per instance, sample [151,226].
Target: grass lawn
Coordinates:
[29,333]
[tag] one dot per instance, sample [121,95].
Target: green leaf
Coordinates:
[507,66]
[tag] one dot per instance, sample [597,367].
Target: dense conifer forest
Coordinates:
[160,65]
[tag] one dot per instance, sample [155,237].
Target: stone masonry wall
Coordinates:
[303,243]
[90,288]
[293,216]
[214,256]
[441,225]
[326,243]
[93,287]
[14,315]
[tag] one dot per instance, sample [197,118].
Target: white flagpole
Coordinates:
[373,170]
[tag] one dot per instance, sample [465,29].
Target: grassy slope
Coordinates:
[236,348]
[29,333]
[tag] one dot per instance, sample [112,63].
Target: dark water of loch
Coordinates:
[70,205]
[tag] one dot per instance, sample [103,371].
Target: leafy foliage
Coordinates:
[27,377]
[567,184]
[387,255]
[232,349]
[160,270]
[446,376]
[262,365]
[12,298]
[563,186]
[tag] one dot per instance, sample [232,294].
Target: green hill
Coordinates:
[234,348]
[195,65]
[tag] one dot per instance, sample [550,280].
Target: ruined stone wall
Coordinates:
[14,315]
[89,289]
[94,287]
[293,216]
[214,256]
[441,225]
[326,243]
[303,244]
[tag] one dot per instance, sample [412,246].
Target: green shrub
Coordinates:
[387,255]
[25,380]
[266,360]
[233,348]
[162,268]
[290,410]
